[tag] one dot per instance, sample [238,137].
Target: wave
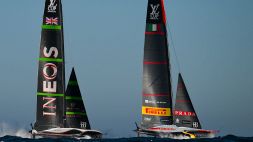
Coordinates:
[8,130]
[228,138]
[9,133]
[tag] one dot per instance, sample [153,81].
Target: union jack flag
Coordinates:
[51,21]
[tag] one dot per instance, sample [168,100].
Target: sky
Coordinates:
[211,44]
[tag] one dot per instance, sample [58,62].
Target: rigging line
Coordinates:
[173,47]
[177,61]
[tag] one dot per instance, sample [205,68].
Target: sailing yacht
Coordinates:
[158,117]
[60,114]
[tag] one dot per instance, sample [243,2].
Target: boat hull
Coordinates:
[67,133]
[174,132]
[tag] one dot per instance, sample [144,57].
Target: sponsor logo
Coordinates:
[50,105]
[186,122]
[177,120]
[164,120]
[52,6]
[184,113]
[51,21]
[154,102]
[156,111]
[195,124]
[52,68]
[154,15]
[147,119]
[49,72]
[83,124]
[53,51]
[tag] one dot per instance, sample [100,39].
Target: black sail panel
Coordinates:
[51,81]
[184,113]
[76,116]
[156,100]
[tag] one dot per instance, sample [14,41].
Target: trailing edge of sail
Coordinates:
[76,116]
[157,96]
[51,75]
[184,113]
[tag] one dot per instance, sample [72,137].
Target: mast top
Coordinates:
[156,12]
[52,18]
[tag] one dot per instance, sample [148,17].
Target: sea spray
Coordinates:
[7,129]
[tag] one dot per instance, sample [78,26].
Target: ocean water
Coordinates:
[10,134]
[229,138]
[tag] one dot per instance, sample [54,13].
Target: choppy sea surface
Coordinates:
[9,133]
[228,138]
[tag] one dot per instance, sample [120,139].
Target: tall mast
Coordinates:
[157,96]
[51,75]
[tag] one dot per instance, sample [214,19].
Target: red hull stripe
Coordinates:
[155,63]
[154,33]
[155,95]
[162,129]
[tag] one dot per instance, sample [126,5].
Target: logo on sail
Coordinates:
[49,72]
[177,120]
[51,21]
[184,113]
[147,119]
[50,67]
[195,124]
[154,102]
[154,15]
[52,6]
[156,111]
[83,124]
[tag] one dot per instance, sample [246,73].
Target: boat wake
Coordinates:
[6,129]
[228,138]
[178,137]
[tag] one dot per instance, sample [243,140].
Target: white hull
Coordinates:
[174,132]
[67,133]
